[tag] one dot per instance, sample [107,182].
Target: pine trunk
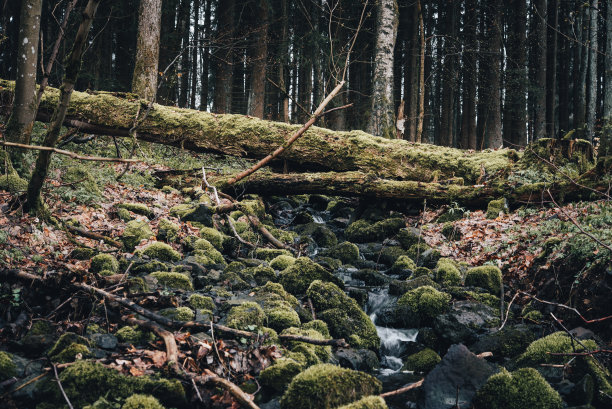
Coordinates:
[144,81]
[551,67]
[224,57]
[539,121]
[591,80]
[257,92]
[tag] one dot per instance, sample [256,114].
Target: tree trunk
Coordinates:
[73,65]
[184,27]
[224,58]
[19,126]
[468,127]
[419,130]
[492,65]
[284,62]
[197,44]
[539,121]
[516,84]
[592,73]
[551,67]
[605,147]
[257,92]
[581,62]
[144,81]
[411,81]
[448,75]
[382,121]
[205,57]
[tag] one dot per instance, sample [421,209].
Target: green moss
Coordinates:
[215,237]
[161,251]
[369,402]
[315,354]
[270,336]
[422,272]
[179,313]
[279,375]
[167,230]
[139,401]
[487,277]
[343,316]
[521,389]
[284,236]
[321,234]
[135,231]
[319,326]
[403,262]
[150,267]
[124,215]
[82,253]
[361,231]
[8,369]
[193,212]
[267,254]
[197,301]
[538,352]
[104,262]
[84,178]
[171,280]
[408,237]
[254,207]
[205,248]
[450,231]
[426,301]
[281,262]
[447,272]
[495,207]
[277,289]
[280,315]
[138,208]
[346,252]
[328,386]
[64,341]
[245,315]
[423,361]
[264,274]
[133,335]
[70,353]
[12,183]
[234,281]
[297,277]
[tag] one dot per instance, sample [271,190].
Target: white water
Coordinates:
[318,219]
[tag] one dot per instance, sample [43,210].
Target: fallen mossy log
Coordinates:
[318,149]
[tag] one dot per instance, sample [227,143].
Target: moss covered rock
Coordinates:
[538,352]
[64,341]
[8,369]
[314,354]
[12,183]
[423,361]
[124,215]
[102,262]
[138,208]
[199,301]
[447,273]
[276,290]
[451,231]
[161,251]
[369,402]
[487,277]
[82,253]
[362,231]
[281,262]
[426,301]
[138,401]
[409,236]
[279,375]
[320,233]
[524,388]
[167,230]
[297,277]
[267,254]
[176,281]
[328,386]
[346,252]
[403,263]
[133,335]
[264,274]
[178,313]
[135,231]
[214,236]
[205,249]
[193,212]
[495,207]
[245,315]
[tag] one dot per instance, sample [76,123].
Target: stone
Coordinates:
[104,341]
[357,359]
[463,322]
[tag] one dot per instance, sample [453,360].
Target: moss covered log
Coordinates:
[239,135]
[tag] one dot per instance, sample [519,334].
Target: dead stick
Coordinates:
[403,390]
[266,233]
[57,379]
[333,342]
[94,236]
[67,153]
[290,141]
[508,310]
[167,336]
[567,308]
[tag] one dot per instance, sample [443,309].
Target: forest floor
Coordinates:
[552,259]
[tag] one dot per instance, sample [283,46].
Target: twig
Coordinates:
[337,109]
[399,391]
[61,387]
[67,153]
[197,390]
[588,353]
[286,94]
[508,310]
[266,233]
[94,236]
[341,343]
[567,308]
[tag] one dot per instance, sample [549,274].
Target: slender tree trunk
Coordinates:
[551,67]
[257,92]
[225,60]
[582,63]
[448,75]
[194,54]
[492,65]
[184,26]
[516,86]
[605,147]
[205,57]
[19,126]
[144,80]
[284,62]
[73,65]
[419,129]
[382,121]
[468,126]
[565,58]
[539,16]
[592,73]
[411,81]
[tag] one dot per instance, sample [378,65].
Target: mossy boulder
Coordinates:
[362,231]
[327,386]
[161,251]
[8,369]
[297,277]
[124,215]
[369,402]
[198,301]
[64,341]
[343,316]
[422,361]
[403,263]
[82,253]
[276,291]
[346,252]
[178,313]
[245,315]
[409,236]
[281,262]
[264,274]
[138,208]
[279,375]
[487,277]
[11,182]
[524,388]
[319,326]
[539,351]
[214,236]
[135,231]
[423,255]
[280,315]
[447,273]
[133,335]
[320,233]
[205,249]
[103,262]
[138,401]
[370,277]
[267,254]
[72,353]
[451,231]
[85,382]
[172,280]
[401,287]
[314,354]
[426,301]
[193,212]
[495,207]
[167,231]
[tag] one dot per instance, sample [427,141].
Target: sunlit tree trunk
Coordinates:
[144,80]
[592,73]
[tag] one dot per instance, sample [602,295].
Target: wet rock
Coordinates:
[507,343]
[318,202]
[399,287]
[389,255]
[427,337]
[346,252]
[104,341]
[197,212]
[362,231]
[359,295]
[464,321]
[357,359]
[397,316]
[370,277]
[320,233]
[459,375]
[409,236]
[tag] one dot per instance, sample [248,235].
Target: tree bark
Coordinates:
[224,58]
[184,27]
[592,73]
[411,81]
[382,121]
[468,127]
[73,65]
[144,81]
[493,131]
[539,121]
[580,64]
[19,126]
[605,147]
[419,129]
[197,44]
[448,76]
[551,67]
[257,92]
[516,85]
[205,57]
